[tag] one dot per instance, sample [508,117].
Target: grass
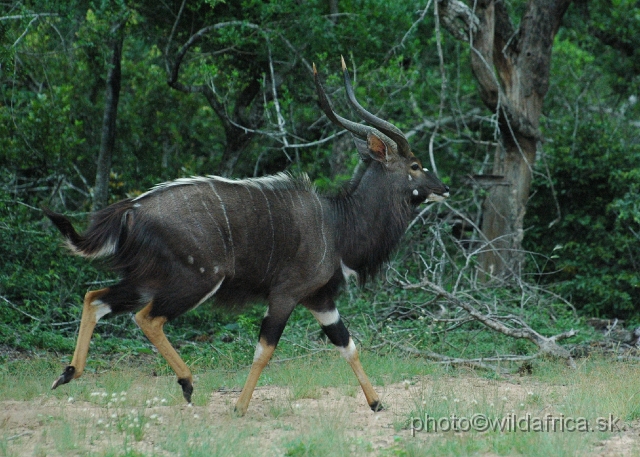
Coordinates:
[311,407]
[597,389]
[315,442]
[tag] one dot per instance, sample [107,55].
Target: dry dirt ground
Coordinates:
[52,426]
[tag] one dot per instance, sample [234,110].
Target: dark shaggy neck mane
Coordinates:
[370,218]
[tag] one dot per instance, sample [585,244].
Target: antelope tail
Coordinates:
[107,231]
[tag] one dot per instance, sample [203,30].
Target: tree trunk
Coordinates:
[504,208]
[108,139]
[512,69]
[333,11]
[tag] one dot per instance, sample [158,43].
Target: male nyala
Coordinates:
[273,239]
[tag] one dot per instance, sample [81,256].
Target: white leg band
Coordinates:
[327,318]
[349,352]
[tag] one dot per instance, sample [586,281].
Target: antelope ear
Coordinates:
[376,148]
[362,148]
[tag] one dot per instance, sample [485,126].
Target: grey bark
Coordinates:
[108,138]
[512,69]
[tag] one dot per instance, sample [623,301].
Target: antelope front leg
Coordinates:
[92,310]
[350,353]
[338,334]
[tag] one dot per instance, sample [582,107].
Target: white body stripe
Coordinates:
[327,318]
[324,236]
[273,236]
[226,218]
[210,294]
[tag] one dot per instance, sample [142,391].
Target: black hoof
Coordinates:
[376,406]
[65,377]
[187,389]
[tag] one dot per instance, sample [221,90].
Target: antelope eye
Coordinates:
[415,166]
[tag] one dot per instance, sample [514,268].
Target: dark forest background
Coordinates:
[100,100]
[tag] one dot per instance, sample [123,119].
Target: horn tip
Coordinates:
[344,65]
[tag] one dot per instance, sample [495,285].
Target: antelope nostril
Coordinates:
[446,189]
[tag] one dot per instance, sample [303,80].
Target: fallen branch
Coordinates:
[15,437]
[8,302]
[475,363]
[548,345]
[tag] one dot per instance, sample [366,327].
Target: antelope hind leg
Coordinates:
[93,309]
[261,358]
[152,328]
[270,333]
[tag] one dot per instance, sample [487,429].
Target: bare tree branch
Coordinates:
[547,345]
[475,363]
[23,16]
[8,302]
[391,51]
[458,19]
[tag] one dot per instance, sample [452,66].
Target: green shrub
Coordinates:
[594,248]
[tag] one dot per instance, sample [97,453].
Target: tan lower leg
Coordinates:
[87,325]
[92,311]
[152,328]
[260,360]
[350,353]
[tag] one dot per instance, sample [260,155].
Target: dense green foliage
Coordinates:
[591,242]
[54,60]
